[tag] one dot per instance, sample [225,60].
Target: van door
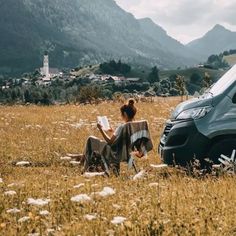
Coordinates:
[231,113]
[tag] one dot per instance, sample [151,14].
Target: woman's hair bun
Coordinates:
[131,102]
[129,109]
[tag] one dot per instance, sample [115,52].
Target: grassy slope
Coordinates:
[86,70]
[231,59]
[188,72]
[175,205]
[142,72]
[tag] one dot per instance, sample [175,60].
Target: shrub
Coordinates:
[89,94]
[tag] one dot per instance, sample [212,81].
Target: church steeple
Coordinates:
[46,65]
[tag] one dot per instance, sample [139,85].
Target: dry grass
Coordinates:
[175,205]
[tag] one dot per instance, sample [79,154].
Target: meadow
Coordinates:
[50,197]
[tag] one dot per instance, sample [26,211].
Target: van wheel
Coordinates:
[225,146]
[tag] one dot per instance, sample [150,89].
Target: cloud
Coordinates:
[184,19]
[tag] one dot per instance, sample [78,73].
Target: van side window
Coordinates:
[234,99]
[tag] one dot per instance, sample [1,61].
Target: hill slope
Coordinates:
[165,41]
[231,59]
[215,41]
[79,32]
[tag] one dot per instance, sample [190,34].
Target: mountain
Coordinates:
[216,41]
[79,32]
[166,42]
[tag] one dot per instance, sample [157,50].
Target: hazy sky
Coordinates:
[185,20]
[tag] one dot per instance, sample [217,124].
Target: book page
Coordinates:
[103,121]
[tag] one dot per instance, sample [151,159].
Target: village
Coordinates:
[45,75]
[48,85]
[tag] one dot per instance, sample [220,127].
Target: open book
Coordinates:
[103,121]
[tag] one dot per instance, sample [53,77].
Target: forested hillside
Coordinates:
[79,32]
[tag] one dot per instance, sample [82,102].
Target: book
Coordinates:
[103,121]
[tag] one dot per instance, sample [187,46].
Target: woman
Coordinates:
[128,113]
[103,153]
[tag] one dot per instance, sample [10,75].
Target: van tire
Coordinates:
[224,146]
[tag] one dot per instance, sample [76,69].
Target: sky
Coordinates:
[185,20]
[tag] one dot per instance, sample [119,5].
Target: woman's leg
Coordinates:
[93,149]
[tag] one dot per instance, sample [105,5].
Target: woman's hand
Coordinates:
[111,130]
[99,126]
[107,138]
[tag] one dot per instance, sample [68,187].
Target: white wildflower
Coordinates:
[159,166]
[77,125]
[79,185]
[93,174]
[75,163]
[140,175]
[24,219]
[94,185]
[38,202]
[66,158]
[44,213]
[81,198]
[73,155]
[13,211]
[12,185]
[10,193]
[23,163]
[90,217]
[118,220]
[107,191]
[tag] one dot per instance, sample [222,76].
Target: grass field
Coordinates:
[164,202]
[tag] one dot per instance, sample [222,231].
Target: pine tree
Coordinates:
[207,81]
[153,77]
[180,86]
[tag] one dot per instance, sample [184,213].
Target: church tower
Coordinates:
[46,65]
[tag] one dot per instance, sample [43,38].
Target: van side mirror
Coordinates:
[234,99]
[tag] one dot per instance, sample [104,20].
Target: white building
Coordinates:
[46,71]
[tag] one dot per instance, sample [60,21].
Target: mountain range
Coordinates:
[215,41]
[79,32]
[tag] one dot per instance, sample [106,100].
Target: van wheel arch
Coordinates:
[218,138]
[221,145]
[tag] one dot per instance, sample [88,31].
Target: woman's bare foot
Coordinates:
[77,157]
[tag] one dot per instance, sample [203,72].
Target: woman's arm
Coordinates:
[108,139]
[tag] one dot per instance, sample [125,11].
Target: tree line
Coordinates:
[218,61]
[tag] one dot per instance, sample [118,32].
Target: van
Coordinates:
[203,127]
